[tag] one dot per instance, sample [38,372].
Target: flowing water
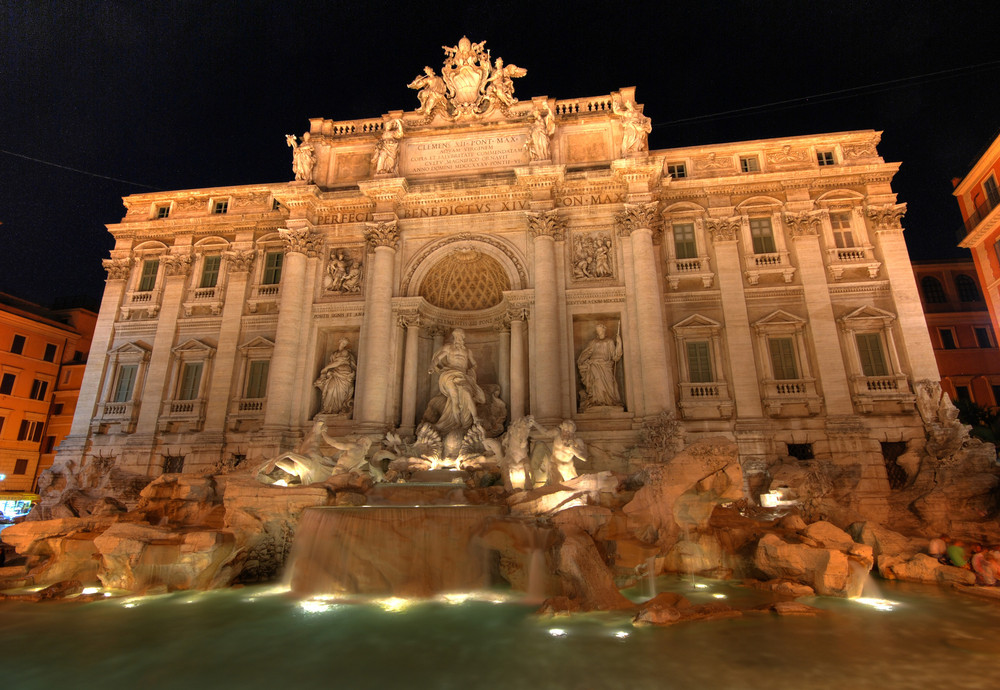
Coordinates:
[259,638]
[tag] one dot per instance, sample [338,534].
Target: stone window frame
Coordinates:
[242,408]
[261,292]
[750,164]
[187,410]
[710,399]
[210,297]
[125,412]
[161,210]
[869,319]
[776,393]
[776,262]
[699,267]
[677,166]
[145,300]
[825,157]
[219,205]
[862,254]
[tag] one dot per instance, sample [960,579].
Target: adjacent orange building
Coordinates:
[964,340]
[42,357]
[978,197]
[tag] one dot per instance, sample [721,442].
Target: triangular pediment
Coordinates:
[193,346]
[258,343]
[869,313]
[132,348]
[779,318]
[697,321]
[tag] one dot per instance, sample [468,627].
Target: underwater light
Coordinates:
[457,597]
[557,632]
[394,604]
[90,590]
[719,596]
[877,604]
[621,634]
[316,606]
[701,586]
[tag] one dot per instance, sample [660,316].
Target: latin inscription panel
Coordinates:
[442,156]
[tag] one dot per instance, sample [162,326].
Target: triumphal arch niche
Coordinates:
[485,256]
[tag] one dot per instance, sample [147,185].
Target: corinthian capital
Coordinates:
[239,262]
[804,224]
[301,240]
[382,234]
[636,217]
[118,269]
[546,224]
[886,218]
[176,265]
[723,229]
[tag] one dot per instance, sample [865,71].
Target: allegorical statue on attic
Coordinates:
[635,127]
[303,158]
[386,158]
[542,128]
[432,91]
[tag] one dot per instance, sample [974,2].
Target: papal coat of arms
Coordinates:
[470,84]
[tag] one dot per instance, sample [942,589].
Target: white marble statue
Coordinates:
[566,448]
[307,462]
[432,91]
[516,467]
[336,381]
[303,157]
[500,84]
[542,129]
[635,127]
[386,157]
[352,457]
[456,368]
[597,365]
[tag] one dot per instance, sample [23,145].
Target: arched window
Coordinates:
[967,290]
[933,292]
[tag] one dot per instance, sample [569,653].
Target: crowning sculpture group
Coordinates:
[463,421]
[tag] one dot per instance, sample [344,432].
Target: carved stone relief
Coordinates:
[343,273]
[593,256]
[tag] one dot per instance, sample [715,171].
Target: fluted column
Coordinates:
[804,229]
[636,223]
[382,238]
[504,369]
[407,421]
[299,242]
[517,406]
[546,227]
[238,264]
[175,270]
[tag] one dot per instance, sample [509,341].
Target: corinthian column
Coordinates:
[546,363]
[636,224]
[299,243]
[382,238]
[409,407]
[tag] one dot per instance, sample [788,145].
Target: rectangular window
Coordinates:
[684,245]
[58,408]
[7,384]
[749,164]
[870,352]
[842,235]
[21,466]
[147,281]
[992,193]
[272,268]
[173,464]
[125,382]
[162,212]
[17,344]
[30,431]
[3,418]
[190,381]
[210,271]
[763,235]
[38,389]
[824,157]
[50,443]
[947,338]
[699,362]
[50,353]
[962,393]
[983,338]
[257,378]
[677,170]
[220,207]
[783,358]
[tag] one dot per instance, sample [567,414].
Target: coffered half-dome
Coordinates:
[465,280]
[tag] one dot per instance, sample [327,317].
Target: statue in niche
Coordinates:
[343,273]
[303,158]
[456,368]
[500,85]
[635,127]
[432,91]
[597,365]
[386,157]
[566,448]
[542,129]
[336,381]
[592,256]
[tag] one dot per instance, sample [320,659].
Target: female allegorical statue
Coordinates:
[336,381]
[597,371]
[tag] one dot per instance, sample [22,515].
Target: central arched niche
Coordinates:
[465,279]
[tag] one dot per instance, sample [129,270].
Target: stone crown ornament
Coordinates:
[470,85]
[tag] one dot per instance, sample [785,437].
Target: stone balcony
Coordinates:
[705,401]
[791,398]
[882,393]
[264,295]
[123,414]
[246,413]
[204,299]
[773,263]
[698,268]
[144,302]
[182,415]
[841,259]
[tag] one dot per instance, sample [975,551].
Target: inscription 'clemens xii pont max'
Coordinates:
[468,153]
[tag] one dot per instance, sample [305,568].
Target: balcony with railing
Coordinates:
[705,400]
[123,414]
[774,263]
[187,413]
[791,397]
[698,268]
[246,413]
[208,299]
[983,211]
[842,259]
[263,294]
[143,302]
[871,391]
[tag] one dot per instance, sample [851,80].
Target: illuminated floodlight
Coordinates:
[280,482]
[394,604]
[719,596]
[701,585]
[316,606]
[90,590]
[877,604]
[107,594]
[457,597]
[621,634]
[557,632]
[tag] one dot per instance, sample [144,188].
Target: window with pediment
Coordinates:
[122,388]
[702,385]
[788,387]
[873,363]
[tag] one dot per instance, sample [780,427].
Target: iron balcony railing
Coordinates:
[983,210]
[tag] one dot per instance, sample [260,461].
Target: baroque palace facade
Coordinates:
[759,290]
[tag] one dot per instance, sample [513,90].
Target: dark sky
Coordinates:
[179,95]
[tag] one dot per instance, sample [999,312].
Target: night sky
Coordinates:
[180,95]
